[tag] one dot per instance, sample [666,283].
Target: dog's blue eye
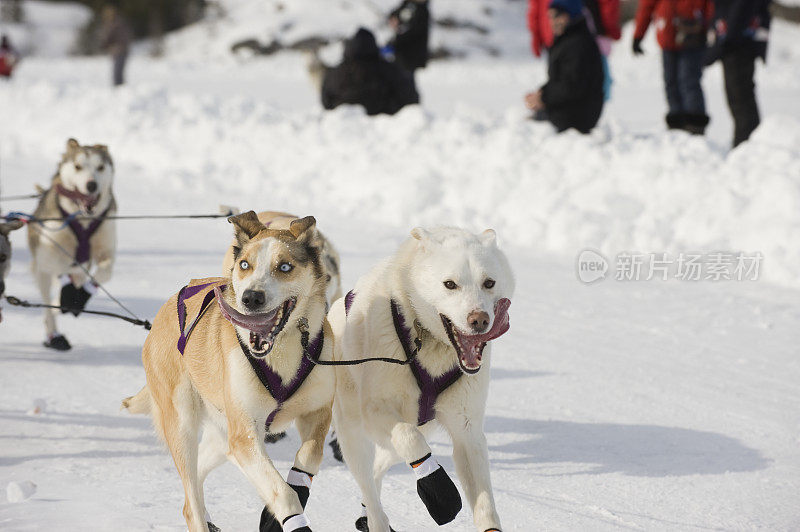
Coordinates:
[244,265]
[285,267]
[450,285]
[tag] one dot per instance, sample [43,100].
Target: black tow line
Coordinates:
[26,304]
[303,326]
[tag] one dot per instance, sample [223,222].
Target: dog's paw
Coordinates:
[58,342]
[362,526]
[73,299]
[300,482]
[436,490]
[337,450]
[212,527]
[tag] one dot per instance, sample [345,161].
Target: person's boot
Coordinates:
[675,120]
[696,123]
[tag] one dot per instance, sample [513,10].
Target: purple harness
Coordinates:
[430,387]
[185,293]
[83,234]
[273,382]
[279,391]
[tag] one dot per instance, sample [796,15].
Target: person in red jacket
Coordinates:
[8,57]
[681,27]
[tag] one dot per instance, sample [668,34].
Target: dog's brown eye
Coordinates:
[3,257]
[285,267]
[78,167]
[488,283]
[328,278]
[244,265]
[450,285]
[101,168]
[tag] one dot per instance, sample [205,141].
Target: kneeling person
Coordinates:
[573,94]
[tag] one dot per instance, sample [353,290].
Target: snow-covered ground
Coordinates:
[621,405]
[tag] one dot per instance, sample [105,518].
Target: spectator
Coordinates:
[116,39]
[366,79]
[411,23]
[605,25]
[740,31]
[681,27]
[573,94]
[8,57]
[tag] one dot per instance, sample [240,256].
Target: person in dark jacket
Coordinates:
[365,78]
[573,94]
[740,30]
[411,23]
[681,27]
[116,39]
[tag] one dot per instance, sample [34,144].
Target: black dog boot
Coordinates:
[212,527]
[273,438]
[296,523]
[362,524]
[337,450]
[436,490]
[73,299]
[58,342]
[300,482]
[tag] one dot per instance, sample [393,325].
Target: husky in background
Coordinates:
[234,356]
[61,248]
[436,303]
[5,255]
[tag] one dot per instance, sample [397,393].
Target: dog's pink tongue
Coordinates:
[471,344]
[258,323]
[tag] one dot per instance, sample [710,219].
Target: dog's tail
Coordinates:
[139,403]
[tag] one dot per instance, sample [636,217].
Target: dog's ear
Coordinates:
[72,145]
[7,227]
[421,234]
[302,227]
[103,149]
[246,226]
[488,238]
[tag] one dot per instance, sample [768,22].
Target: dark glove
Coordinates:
[73,299]
[637,47]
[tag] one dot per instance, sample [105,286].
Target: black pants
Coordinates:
[740,88]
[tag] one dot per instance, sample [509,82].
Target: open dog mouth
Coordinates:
[86,202]
[469,347]
[264,327]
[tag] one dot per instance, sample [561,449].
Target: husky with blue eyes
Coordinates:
[434,306]
[236,356]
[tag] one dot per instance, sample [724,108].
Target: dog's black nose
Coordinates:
[478,321]
[91,186]
[253,299]
[2,288]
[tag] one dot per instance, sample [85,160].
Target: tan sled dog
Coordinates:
[330,257]
[81,187]
[231,355]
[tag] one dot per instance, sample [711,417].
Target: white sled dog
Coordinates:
[437,302]
[79,202]
[5,254]
[236,356]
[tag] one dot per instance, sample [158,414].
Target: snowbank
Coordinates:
[615,190]
[49,29]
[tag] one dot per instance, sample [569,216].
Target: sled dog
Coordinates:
[330,257]
[5,254]
[81,187]
[437,302]
[234,356]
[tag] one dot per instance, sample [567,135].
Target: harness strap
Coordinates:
[279,391]
[185,293]
[430,387]
[348,301]
[83,234]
